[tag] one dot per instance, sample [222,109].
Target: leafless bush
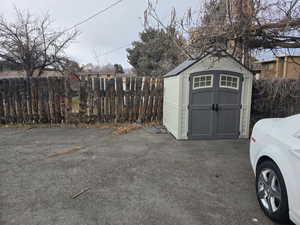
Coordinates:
[275,98]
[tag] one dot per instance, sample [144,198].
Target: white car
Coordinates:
[275,159]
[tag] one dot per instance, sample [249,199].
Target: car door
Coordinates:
[288,131]
[295,167]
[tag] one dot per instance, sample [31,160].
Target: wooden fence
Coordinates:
[88,100]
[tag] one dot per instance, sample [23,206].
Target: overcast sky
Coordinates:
[116,28]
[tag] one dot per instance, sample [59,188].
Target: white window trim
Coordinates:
[224,86]
[211,83]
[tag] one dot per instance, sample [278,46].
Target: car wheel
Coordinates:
[271,191]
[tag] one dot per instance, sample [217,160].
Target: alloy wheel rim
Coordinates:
[269,190]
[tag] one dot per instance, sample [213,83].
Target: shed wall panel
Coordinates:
[171,105]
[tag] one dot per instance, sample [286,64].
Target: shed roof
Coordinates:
[181,67]
[190,62]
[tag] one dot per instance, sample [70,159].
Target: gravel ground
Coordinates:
[135,179]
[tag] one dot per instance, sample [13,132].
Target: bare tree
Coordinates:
[31,43]
[239,26]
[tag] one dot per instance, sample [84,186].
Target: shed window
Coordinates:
[203,81]
[227,81]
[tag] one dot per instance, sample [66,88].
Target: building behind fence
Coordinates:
[88,100]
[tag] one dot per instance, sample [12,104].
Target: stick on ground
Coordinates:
[80,193]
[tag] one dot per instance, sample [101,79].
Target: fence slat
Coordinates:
[119,94]
[6,100]
[151,99]
[89,100]
[97,98]
[103,99]
[51,99]
[83,100]
[35,97]
[18,101]
[24,102]
[63,98]
[29,100]
[127,100]
[110,99]
[47,100]
[13,94]
[146,100]
[68,100]
[2,115]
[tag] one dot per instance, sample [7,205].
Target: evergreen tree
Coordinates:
[156,53]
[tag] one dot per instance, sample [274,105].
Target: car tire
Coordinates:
[271,192]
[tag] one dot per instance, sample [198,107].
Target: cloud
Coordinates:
[117,27]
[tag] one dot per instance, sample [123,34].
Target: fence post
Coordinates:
[83,99]
[12,90]
[68,101]
[98,98]
[2,116]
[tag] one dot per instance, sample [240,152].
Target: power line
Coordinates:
[121,47]
[114,50]
[94,15]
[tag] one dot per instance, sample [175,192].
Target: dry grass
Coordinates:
[121,129]
[117,128]
[124,129]
[32,126]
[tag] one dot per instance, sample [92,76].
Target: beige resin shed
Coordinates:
[208,98]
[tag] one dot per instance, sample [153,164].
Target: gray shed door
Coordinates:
[215,104]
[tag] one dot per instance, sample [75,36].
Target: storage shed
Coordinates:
[208,98]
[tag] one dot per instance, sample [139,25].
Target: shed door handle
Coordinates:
[217,108]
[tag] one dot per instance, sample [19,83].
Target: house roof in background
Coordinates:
[281,56]
[265,61]
[273,60]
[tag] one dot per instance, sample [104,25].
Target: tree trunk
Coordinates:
[41,71]
[29,72]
